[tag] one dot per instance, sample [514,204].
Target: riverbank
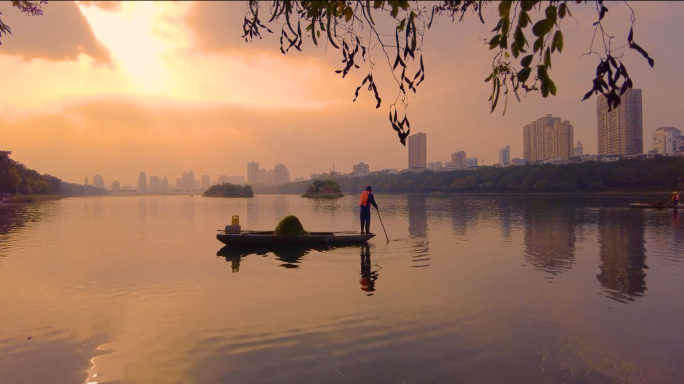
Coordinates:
[335,195]
[632,176]
[24,199]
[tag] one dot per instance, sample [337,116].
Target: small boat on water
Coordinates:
[652,205]
[251,238]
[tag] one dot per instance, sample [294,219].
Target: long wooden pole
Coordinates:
[383,225]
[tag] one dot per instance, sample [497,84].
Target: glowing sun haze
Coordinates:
[118,88]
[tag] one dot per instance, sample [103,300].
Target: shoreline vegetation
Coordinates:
[323,189]
[229,190]
[23,199]
[20,184]
[625,177]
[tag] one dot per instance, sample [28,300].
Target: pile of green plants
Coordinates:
[660,205]
[229,190]
[325,189]
[290,226]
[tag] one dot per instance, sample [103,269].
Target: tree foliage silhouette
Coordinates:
[341,25]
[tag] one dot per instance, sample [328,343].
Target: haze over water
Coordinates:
[468,290]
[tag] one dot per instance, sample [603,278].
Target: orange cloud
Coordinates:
[62,33]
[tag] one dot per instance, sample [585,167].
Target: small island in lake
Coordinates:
[326,189]
[229,190]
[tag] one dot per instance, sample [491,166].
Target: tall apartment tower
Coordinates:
[154,183]
[253,172]
[548,138]
[282,175]
[206,181]
[579,150]
[116,186]
[620,131]
[142,182]
[361,169]
[665,140]
[98,181]
[505,156]
[417,150]
[458,159]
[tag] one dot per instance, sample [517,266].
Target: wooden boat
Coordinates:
[249,238]
[651,205]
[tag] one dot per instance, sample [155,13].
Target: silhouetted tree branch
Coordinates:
[340,24]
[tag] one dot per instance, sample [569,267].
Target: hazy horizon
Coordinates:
[178,89]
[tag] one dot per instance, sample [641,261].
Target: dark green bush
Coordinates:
[290,226]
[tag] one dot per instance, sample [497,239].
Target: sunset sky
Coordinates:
[118,88]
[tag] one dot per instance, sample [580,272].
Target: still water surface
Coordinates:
[468,290]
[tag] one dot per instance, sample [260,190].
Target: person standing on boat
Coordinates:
[675,199]
[365,202]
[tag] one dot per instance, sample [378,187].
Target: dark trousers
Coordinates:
[365,214]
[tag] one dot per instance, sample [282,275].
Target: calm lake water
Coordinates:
[468,290]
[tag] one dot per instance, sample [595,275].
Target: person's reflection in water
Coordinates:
[675,216]
[235,265]
[368,277]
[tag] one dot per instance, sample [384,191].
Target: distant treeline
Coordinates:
[17,178]
[658,174]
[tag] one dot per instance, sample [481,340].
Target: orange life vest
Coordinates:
[676,197]
[363,200]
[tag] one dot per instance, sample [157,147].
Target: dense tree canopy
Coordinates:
[229,190]
[660,174]
[323,188]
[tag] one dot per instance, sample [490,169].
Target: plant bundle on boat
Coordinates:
[290,226]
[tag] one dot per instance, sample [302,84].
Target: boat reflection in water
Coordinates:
[288,254]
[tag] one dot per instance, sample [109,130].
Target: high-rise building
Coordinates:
[263,175]
[253,172]
[620,131]
[86,182]
[116,186]
[164,185]
[188,181]
[361,169]
[281,174]
[665,140]
[142,182]
[505,156]
[154,183]
[417,150]
[206,181]
[458,159]
[548,138]
[98,182]
[579,150]
[471,161]
[270,177]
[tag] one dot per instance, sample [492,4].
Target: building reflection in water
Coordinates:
[549,236]
[368,277]
[418,228]
[505,209]
[622,254]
